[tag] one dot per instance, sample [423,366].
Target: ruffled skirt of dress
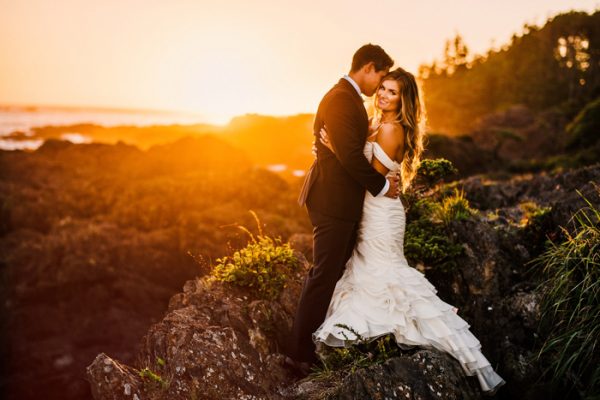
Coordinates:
[380,294]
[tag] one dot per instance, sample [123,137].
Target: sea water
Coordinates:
[14,119]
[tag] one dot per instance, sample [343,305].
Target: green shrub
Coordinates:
[430,244]
[431,172]
[262,266]
[427,237]
[570,305]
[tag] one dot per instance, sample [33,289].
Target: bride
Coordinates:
[379,293]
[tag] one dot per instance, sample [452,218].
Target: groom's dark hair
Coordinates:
[371,53]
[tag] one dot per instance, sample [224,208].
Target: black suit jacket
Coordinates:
[335,184]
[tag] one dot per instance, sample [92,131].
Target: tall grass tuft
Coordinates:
[453,208]
[570,306]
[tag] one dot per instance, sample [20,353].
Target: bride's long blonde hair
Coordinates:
[411,116]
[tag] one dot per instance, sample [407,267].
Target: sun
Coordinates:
[219,81]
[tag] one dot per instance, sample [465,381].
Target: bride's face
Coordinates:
[388,95]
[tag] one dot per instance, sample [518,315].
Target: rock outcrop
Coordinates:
[424,374]
[217,342]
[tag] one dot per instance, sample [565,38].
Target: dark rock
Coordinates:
[218,342]
[86,271]
[545,189]
[426,374]
[517,133]
[113,380]
[83,288]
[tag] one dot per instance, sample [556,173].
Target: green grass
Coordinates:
[570,320]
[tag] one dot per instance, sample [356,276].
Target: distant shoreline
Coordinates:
[11,107]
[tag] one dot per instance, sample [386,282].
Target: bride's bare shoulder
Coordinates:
[391,132]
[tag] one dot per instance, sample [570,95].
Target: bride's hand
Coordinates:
[324,138]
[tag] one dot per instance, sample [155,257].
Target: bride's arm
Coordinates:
[390,138]
[324,139]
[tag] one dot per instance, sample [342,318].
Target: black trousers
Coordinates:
[334,241]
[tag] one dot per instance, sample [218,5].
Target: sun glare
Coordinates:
[217,78]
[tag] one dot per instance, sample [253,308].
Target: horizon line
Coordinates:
[119,109]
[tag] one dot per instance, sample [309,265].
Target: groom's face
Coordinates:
[373,79]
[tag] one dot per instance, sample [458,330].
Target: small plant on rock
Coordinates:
[360,354]
[532,212]
[453,208]
[537,227]
[152,378]
[431,172]
[262,266]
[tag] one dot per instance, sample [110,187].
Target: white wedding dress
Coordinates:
[379,293]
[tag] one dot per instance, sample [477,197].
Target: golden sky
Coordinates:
[229,57]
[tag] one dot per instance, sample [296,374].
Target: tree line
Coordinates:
[553,66]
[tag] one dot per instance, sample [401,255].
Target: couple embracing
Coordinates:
[360,277]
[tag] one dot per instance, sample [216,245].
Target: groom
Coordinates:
[334,191]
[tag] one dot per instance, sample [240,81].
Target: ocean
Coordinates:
[24,118]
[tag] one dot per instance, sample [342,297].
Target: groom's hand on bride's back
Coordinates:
[394,190]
